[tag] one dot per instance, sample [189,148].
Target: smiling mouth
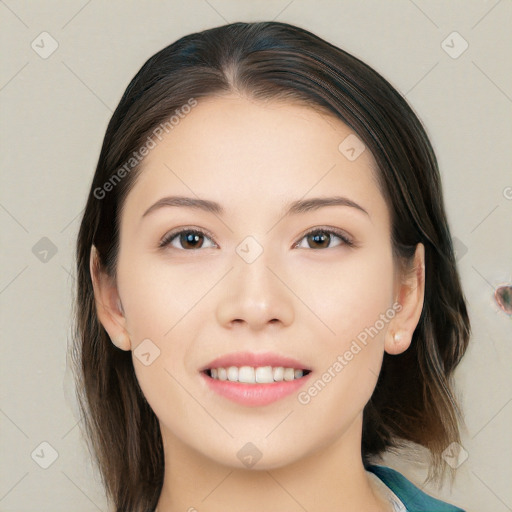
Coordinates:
[256,375]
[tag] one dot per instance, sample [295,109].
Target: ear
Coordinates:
[108,305]
[410,293]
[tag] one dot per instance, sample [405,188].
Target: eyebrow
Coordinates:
[293,208]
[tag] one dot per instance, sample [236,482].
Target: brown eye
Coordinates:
[321,238]
[189,239]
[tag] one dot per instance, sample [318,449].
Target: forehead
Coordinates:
[244,152]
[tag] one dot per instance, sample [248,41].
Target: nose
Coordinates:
[255,294]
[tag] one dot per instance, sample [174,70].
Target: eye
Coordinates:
[190,239]
[321,237]
[187,238]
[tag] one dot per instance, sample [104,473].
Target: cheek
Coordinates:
[162,303]
[353,299]
[156,296]
[349,294]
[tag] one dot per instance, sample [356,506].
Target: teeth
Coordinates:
[252,375]
[289,374]
[246,374]
[278,374]
[264,374]
[233,373]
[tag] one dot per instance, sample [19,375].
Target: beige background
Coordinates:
[54,114]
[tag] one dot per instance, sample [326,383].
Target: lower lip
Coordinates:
[254,395]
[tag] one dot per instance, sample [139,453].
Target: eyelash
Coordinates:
[168,238]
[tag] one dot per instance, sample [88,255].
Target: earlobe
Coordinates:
[399,343]
[108,304]
[410,295]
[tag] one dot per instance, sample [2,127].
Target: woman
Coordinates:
[267,292]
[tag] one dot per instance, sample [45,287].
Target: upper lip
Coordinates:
[255,359]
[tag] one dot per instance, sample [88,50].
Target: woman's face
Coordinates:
[257,282]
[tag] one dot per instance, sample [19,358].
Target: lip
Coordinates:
[254,395]
[255,360]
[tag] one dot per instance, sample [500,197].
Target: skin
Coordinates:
[309,303]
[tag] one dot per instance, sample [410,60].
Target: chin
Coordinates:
[254,455]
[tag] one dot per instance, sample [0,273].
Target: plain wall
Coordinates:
[54,114]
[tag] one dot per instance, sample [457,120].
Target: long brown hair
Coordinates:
[413,399]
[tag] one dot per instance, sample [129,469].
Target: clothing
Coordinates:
[405,496]
[387,493]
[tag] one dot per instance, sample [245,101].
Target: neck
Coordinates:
[331,478]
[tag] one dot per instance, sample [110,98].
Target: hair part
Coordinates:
[270,61]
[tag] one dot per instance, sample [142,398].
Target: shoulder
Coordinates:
[414,499]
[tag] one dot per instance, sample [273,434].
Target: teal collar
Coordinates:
[414,499]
